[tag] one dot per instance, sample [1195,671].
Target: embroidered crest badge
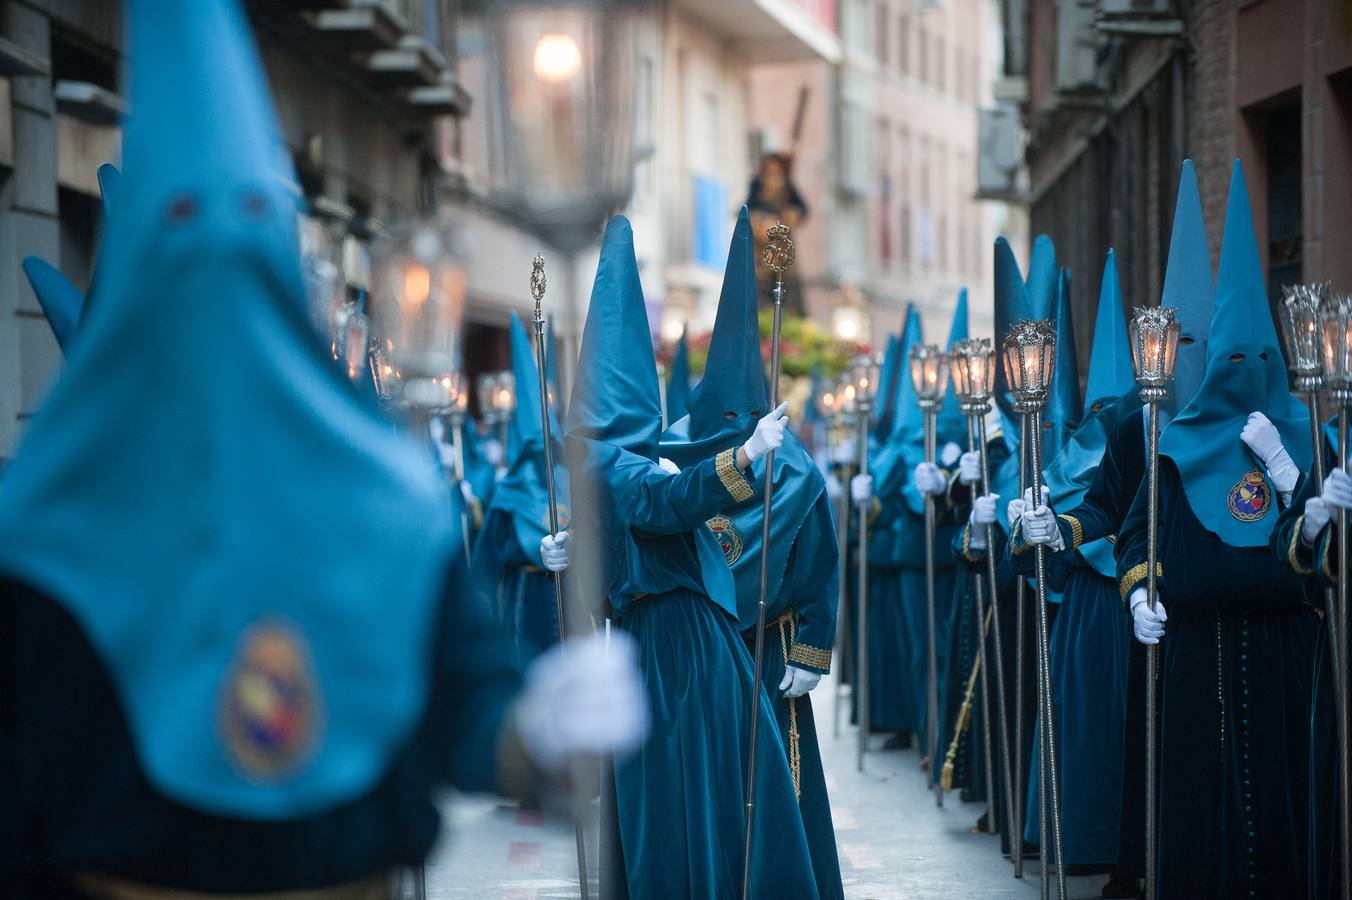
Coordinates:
[269,707]
[727,537]
[1251,499]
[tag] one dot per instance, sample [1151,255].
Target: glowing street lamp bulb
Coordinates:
[557,58]
[417,284]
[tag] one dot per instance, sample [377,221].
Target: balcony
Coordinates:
[763,31]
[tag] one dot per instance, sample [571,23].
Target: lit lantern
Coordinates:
[1030,358]
[1154,334]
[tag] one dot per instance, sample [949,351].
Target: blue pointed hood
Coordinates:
[110,181]
[201,253]
[1110,370]
[888,376]
[888,465]
[615,394]
[1189,287]
[1065,405]
[678,387]
[1111,396]
[523,493]
[950,425]
[1226,487]
[62,303]
[733,396]
[1043,277]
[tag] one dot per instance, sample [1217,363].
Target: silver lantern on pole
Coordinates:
[1030,360]
[860,393]
[973,372]
[929,375]
[1154,332]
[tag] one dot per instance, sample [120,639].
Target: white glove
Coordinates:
[861,490]
[1315,519]
[843,453]
[969,467]
[668,466]
[1013,510]
[949,454]
[554,550]
[833,488]
[983,510]
[798,682]
[769,434]
[467,493]
[437,429]
[1263,438]
[1338,489]
[1039,527]
[492,453]
[928,479]
[582,698]
[446,453]
[982,516]
[1146,625]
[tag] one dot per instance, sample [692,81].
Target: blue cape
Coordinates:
[1110,397]
[734,384]
[523,492]
[1226,486]
[264,502]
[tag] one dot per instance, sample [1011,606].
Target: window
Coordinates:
[644,136]
[922,59]
[939,61]
[882,29]
[884,175]
[904,193]
[904,44]
[1284,225]
[959,74]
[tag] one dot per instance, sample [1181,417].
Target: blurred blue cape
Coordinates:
[224,526]
[1226,486]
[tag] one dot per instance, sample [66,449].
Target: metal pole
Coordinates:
[932,718]
[1049,791]
[992,826]
[759,660]
[537,289]
[458,445]
[1339,637]
[1152,650]
[1016,839]
[861,611]
[1013,828]
[843,629]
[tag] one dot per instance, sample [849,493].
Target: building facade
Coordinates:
[1116,95]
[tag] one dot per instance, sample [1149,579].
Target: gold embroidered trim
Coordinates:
[1016,542]
[1112,539]
[1076,530]
[1135,575]
[810,656]
[733,480]
[1293,551]
[795,758]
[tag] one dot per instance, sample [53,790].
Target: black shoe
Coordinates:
[899,741]
[980,826]
[1084,870]
[1121,888]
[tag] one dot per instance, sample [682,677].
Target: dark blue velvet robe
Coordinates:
[679,814]
[515,585]
[1235,694]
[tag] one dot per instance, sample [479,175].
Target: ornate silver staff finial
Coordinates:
[538,282]
[779,253]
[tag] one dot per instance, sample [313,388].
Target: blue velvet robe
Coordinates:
[678,818]
[1090,650]
[514,584]
[1235,688]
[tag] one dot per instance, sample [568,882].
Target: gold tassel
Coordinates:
[964,716]
[795,761]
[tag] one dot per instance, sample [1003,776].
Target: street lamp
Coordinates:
[973,371]
[929,376]
[1030,360]
[847,315]
[419,300]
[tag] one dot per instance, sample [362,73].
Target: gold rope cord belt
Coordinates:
[106,887]
[786,621]
[964,712]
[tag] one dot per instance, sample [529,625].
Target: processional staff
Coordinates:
[778,256]
[1030,359]
[538,282]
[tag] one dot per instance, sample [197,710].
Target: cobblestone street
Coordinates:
[894,843]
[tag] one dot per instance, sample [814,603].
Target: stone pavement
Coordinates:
[894,843]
